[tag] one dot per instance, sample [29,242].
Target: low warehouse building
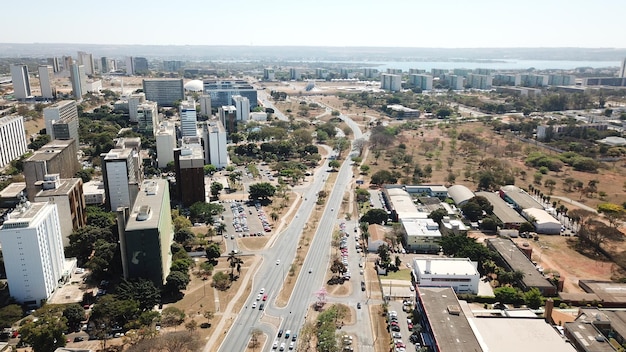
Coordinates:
[544,222]
[459,273]
[460,194]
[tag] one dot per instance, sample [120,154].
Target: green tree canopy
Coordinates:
[438,214]
[262,190]
[143,291]
[375,216]
[74,314]
[45,334]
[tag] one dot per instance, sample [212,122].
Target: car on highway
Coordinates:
[264,297]
[287,334]
[282,347]
[262,291]
[294,337]
[292,345]
[275,345]
[310,270]
[278,262]
[280,333]
[261,306]
[258,297]
[358,305]
[253,305]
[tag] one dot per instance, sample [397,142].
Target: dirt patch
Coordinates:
[383,338]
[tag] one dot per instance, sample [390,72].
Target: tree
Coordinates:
[83,174]
[384,255]
[614,213]
[261,190]
[39,142]
[203,212]
[338,267]
[533,298]
[9,315]
[438,215]
[184,236]
[334,164]
[526,227]
[507,294]
[180,341]
[472,211]
[172,316]
[364,169]
[234,262]
[176,281]
[550,183]
[221,281]
[209,169]
[179,221]
[143,291]
[74,314]
[216,188]
[190,326]
[45,334]
[208,315]
[375,216]
[362,195]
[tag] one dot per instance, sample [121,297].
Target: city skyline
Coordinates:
[396,23]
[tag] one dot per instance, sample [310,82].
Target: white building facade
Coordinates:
[45,81]
[390,82]
[215,138]
[459,273]
[13,139]
[165,144]
[242,104]
[21,82]
[188,118]
[32,246]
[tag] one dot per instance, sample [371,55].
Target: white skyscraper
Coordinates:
[188,118]
[130,66]
[622,69]
[205,105]
[86,60]
[13,139]
[391,82]
[133,102]
[78,80]
[32,246]
[147,117]
[214,136]
[21,82]
[242,104]
[63,111]
[121,178]
[45,81]
[165,144]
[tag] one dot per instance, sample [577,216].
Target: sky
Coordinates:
[385,23]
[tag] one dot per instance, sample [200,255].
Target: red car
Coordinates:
[265,297]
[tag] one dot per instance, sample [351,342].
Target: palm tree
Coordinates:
[233,261]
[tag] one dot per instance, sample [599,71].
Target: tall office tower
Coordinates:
[222,92]
[295,74]
[146,234]
[140,66]
[165,144]
[104,65]
[228,117]
[242,104]
[61,120]
[172,65]
[121,179]
[67,194]
[67,62]
[456,82]
[390,82]
[215,150]
[188,118]
[130,65]
[164,91]
[56,157]
[54,62]
[45,81]
[147,117]
[205,105]
[622,69]
[78,80]
[477,81]
[86,60]
[13,139]
[424,82]
[133,102]
[32,246]
[370,72]
[189,166]
[269,74]
[21,81]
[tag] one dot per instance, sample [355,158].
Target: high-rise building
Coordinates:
[228,117]
[67,194]
[13,139]
[104,65]
[164,91]
[78,78]
[165,144]
[146,234]
[242,104]
[295,74]
[67,62]
[61,120]
[534,80]
[147,117]
[45,81]
[477,81]
[370,72]
[222,92]
[133,102]
[21,81]
[455,82]
[394,71]
[268,74]
[86,60]
[390,82]
[122,178]
[561,80]
[140,66]
[188,118]
[32,246]
[422,81]
[54,62]
[189,165]
[130,65]
[172,65]
[205,105]
[56,157]
[622,69]
[216,152]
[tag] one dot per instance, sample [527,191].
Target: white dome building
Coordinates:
[194,85]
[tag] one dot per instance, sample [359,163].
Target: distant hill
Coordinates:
[204,52]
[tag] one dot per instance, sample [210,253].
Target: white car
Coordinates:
[253,305]
[275,345]
[262,291]
[258,297]
[278,262]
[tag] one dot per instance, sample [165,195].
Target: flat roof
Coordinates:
[402,203]
[541,216]
[27,214]
[520,335]
[501,209]
[421,227]
[452,331]
[607,291]
[93,187]
[447,266]
[521,198]
[50,150]
[13,190]
[118,154]
[65,186]
[510,253]
[585,335]
[150,197]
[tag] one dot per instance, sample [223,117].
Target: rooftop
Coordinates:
[520,197]
[402,203]
[23,215]
[50,150]
[146,212]
[13,190]
[65,186]
[541,216]
[446,266]
[421,227]
[501,209]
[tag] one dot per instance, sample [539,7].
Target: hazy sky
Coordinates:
[391,23]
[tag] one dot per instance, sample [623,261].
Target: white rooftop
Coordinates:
[446,266]
[421,227]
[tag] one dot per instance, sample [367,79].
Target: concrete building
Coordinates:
[462,71]
[424,82]
[504,79]
[189,166]
[258,116]
[604,81]
[205,105]
[130,66]
[121,172]
[45,81]
[532,80]
[295,74]
[622,69]
[86,60]
[172,65]
[12,195]
[146,234]
[421,235]
[593,330]
[61,120]
[543,131]
[140,66]
[214,136]
[445,327]
[32,247]
[134,100]
[459,273]
[501,209]
[513,259]
[67,194]
[164,91]
[544,223]
[13,139]
[402,112]
[479,81]
[188,118]
[484,71]
[370,72]
[242,104]
[391,82]
[455,82]
[460,194]
[561,80]
[21,81]
[520,91]
[222,92]
[78,78]
[56,157]
[94,192]
[321,73]
[269,74]
[165,144]
[518,198]
[147,117]
[54,63]
[400,204]
[377,237]
[439,191]
[228,117]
